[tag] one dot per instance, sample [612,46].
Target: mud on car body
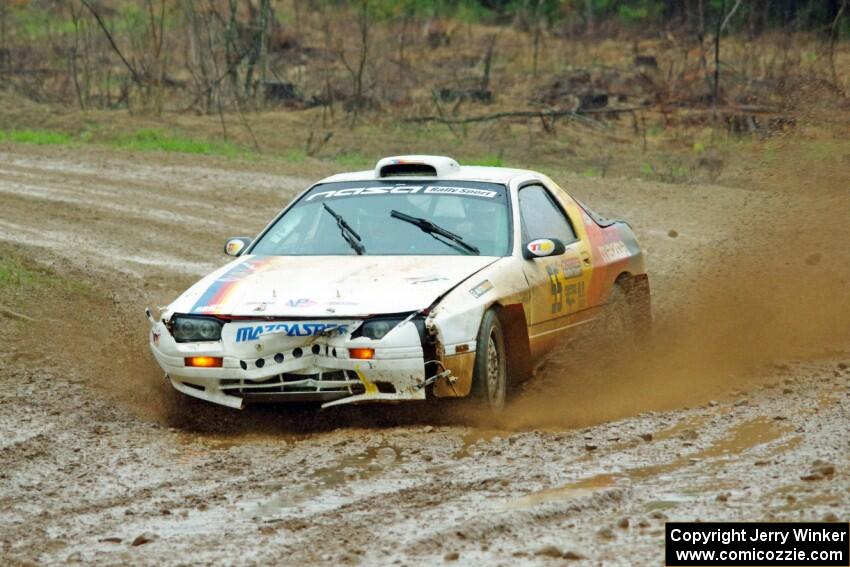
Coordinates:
[418,279]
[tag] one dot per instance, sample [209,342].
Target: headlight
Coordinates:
[377,329]
[195,329]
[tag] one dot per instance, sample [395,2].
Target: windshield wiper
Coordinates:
[435,230]
[348,233]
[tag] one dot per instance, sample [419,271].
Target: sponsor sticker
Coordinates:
[614,251]
[233,247]
[404,190]
[541,247]
[564,292]
[466,191]
[571,267]
[300,302]
[481,288]
[425,279]
[574,296]
[556,288]
[293,329]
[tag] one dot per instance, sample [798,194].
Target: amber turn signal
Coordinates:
[361,353]
[203,361]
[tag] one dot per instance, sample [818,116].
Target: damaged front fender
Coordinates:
[454,322]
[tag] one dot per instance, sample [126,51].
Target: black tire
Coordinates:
[490,375]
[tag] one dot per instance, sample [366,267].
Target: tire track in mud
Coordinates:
[98,465]
[131,216]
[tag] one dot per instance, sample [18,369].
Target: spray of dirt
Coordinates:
[734,325]
[776,290]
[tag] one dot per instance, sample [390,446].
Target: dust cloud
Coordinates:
[775,290]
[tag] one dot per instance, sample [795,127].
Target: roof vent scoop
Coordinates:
[416,166]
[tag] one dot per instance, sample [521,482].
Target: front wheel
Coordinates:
[490,375]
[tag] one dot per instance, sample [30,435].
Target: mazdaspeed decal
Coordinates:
[254,332]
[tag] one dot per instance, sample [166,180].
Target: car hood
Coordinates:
[327,286]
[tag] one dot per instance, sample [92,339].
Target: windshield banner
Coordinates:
[426,189]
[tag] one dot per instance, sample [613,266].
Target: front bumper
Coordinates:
[282,368]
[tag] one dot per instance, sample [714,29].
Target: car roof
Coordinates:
[466,173]
[446,168]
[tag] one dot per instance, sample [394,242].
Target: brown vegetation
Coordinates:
[548,84]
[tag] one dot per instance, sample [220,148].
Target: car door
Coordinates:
[558,284]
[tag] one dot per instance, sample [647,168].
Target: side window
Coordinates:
[542,217]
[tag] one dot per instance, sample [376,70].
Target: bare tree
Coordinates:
[721,25]
[146,60]
[357,68]
[4,16]
[200,57]
[80,85]
[111,39]
[155,54]
[588,15]
[833,36]
[537,27]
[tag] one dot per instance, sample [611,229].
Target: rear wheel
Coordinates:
[490,375]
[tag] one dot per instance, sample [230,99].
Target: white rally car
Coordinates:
[417,279]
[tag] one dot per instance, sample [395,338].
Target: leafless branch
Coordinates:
[524,114]
[730,14]
[136,77]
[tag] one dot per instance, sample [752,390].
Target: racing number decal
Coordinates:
[575,295]
[562,291]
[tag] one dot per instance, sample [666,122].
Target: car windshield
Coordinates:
[386,218]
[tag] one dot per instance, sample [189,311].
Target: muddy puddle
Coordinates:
[474,440]
[361,467]
[580,488]
[738,439]
[798,498]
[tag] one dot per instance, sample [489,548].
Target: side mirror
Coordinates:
[235,246]
[542,248]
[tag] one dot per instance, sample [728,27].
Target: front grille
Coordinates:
[337,381]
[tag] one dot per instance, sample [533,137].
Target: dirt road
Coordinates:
[739,412]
